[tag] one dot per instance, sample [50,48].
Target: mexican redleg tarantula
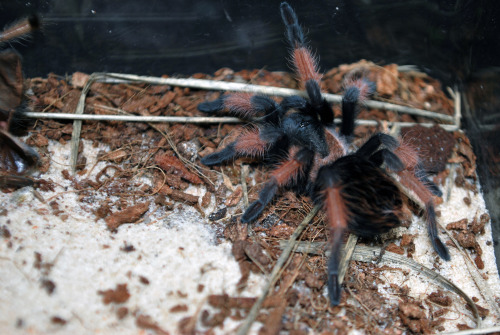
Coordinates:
[299,135]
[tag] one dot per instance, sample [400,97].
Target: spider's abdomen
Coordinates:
[371,198]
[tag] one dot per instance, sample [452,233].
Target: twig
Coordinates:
[373,318]
[244,187]
[455,94]
[252,315]
[133,118]
[268,90]
[346,256]
[200,119]
[477,331]
[77,124]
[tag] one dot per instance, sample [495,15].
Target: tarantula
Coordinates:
[299,135]
[15,157]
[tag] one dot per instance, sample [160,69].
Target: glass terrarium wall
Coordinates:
[455,41]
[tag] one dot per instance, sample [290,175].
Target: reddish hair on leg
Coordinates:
[336,211]
[305,65]
[20,29]
[288,171]
[410,181]
[407,154]
[364,87]
[251,144]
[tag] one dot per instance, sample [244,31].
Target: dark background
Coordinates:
[457,41]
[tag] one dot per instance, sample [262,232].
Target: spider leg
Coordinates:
[244,105]
[15,181]
[375,142]
[253,142]
[433,233]
[356,92]
[305,64]
[18,122]
[337,220]
[388,157]
[284,174]
[265,196]
[431,186]
[15,155]
[410,181]
[212,106]
[293,101]
[220,156]
[334,290]
[328,192]
[20,29]
[411,178]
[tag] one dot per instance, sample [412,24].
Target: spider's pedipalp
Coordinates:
[320,106]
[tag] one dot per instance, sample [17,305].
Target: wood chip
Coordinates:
[128,215]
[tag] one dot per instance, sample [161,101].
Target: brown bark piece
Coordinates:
[180,196]
[128,215]
[118,296]
[146,322]
[172,164]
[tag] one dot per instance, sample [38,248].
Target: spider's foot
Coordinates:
[219,157]
[253,211]
[257,207]
[293,30]
[212,106]
[18,122]
[438,245]
[15,181]
[421,174]
[16,155]
[334,290]
[440,248]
